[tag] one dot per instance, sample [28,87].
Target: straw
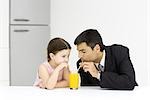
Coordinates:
[78,69]
[79,66]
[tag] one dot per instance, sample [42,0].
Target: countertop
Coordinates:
[83,93]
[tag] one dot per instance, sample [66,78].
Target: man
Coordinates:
[109,67]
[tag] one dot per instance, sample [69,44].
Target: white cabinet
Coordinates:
[29,36]
[30,12]
[28,50]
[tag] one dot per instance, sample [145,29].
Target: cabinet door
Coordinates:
[30,11]
[28,51]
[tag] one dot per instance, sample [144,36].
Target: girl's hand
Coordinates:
[61,66]
[41,84]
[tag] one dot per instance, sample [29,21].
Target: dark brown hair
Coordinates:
[91,37]
[55,45]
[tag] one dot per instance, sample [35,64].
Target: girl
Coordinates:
[54,72]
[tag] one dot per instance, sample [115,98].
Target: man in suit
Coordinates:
[109,67]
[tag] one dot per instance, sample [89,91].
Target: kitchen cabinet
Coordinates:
[29,36]
[30,12]
[28,50]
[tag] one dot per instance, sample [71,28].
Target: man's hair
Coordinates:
[91,37]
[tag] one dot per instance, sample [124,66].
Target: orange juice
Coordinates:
[74,80]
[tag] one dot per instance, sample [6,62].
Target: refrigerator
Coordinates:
[29,37]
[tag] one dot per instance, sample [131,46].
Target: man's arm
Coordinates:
[124,78]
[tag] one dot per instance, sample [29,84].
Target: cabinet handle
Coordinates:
[21,30]
[22,20]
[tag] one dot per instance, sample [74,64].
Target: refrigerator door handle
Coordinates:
[22,20]
[21,30]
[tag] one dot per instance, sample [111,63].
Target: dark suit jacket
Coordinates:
[118,73]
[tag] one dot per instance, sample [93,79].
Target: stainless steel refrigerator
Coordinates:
[29,36]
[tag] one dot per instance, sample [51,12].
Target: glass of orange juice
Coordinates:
[74,80]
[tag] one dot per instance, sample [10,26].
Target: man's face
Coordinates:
[86,53]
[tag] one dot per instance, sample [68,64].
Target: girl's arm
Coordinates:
[48,81]
[65,81]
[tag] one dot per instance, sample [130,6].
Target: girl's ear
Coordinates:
[51,56]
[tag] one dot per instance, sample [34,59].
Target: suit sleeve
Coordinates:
[124,78]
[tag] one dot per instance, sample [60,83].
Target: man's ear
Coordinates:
[51,55]
[97,47]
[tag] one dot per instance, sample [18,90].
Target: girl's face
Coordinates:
[61,57]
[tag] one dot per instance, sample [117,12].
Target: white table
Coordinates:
[83,93]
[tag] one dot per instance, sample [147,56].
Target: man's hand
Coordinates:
[90,67]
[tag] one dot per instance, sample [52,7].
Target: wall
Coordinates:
[4,42]
[118,21]
[148,39]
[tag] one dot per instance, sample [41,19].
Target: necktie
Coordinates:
[101,67]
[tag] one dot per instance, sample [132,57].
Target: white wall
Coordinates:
[4,42]
[4,23]
[148,39]
[118,21]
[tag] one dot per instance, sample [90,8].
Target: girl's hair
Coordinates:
[55,45]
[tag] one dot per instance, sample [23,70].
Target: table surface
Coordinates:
[83,93]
